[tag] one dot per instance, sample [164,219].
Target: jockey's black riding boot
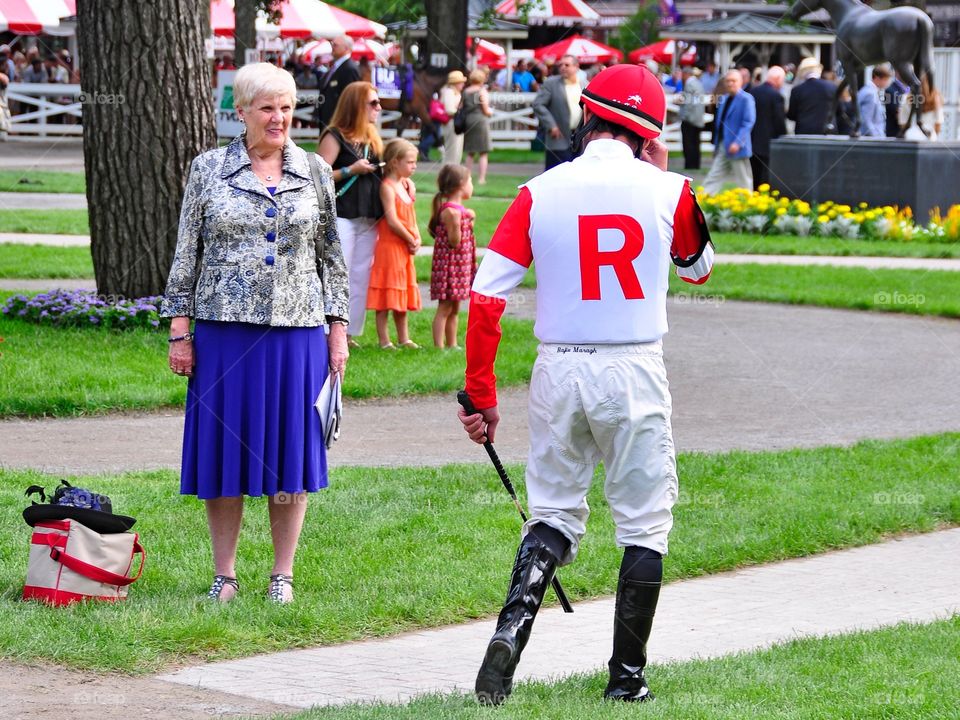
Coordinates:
[637,594]
[533,571]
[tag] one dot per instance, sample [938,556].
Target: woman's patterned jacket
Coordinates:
[244,256]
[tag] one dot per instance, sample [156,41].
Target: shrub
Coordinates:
[85,308]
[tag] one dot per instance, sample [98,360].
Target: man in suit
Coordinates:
[557,107]
[811,100]
[771,122]
[732,147]
[342,72]
[891,100]
[691,117]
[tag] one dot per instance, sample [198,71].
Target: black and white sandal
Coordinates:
[281,589]
[216,589]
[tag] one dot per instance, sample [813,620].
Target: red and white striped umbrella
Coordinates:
[662,52]
[371,50]
[300,19]
[363,48]
[491,55]
[35,17]
[316,49]
[548,11]
[585,50]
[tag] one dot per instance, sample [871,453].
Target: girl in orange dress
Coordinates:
[393,278]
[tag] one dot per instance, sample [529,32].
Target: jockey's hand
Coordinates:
[482,425]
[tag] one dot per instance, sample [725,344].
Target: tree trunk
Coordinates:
[143,122]
[446,34]
[244,29]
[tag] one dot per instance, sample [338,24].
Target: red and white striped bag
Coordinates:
[70,562]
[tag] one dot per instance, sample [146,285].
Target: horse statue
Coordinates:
[901,35]
[414,101]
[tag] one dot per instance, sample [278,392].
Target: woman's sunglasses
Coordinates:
[375,103]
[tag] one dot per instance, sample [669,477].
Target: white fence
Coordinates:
[42,102]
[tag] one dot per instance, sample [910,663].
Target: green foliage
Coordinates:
[385,11]
[641,29]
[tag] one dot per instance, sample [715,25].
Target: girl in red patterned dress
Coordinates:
[454,252]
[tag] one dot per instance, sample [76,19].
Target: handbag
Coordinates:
[460,120]
[438,113]
[69,562]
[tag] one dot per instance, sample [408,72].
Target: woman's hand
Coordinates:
[181,353]
[337,349]
[362,167]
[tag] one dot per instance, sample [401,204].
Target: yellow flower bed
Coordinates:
[765,211]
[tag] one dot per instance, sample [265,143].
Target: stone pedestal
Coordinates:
[877,171]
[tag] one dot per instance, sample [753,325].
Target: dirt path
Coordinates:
[44,692]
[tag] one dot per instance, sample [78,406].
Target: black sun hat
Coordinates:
[73,503]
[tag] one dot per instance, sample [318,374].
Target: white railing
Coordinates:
[43,103]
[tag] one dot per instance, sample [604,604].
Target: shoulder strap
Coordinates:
[321,240]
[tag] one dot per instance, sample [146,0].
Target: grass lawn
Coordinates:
[792,245]
[432,546]
[47,222]
[849,676]
[918,292]
[42,181]
[46,371]
[45,261]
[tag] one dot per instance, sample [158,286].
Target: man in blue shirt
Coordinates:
[873,114]
[732,143]
[523,79]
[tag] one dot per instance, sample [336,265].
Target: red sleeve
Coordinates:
[483,340]
[502,269]
[687,237]
[691,250]
[512,236]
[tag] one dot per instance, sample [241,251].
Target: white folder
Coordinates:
[329,406]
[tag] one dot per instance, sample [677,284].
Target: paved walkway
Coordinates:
[743,375]
[42,201]
[42,239]
[911,579]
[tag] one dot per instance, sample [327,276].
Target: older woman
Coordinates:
[476,107]
[352,146]
[450,96]
[259,269]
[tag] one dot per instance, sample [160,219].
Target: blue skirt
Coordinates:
[251,426]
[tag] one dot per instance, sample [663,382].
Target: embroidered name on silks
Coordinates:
[576,349]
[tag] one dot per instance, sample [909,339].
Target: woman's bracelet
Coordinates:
[188,336]
[344,172]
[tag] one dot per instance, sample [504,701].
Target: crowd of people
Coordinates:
[751,108]
[31,67]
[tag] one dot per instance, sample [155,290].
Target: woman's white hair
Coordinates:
[258,79]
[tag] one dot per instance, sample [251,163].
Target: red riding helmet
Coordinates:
[630,96]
